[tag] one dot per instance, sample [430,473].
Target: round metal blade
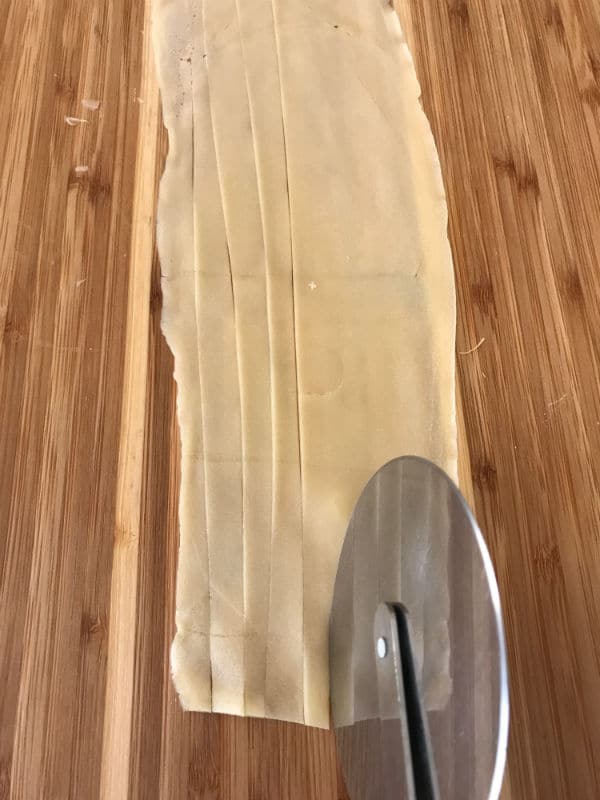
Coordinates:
[413,541]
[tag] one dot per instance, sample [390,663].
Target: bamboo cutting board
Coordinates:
[89,443]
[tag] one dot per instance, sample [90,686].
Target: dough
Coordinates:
[309,303]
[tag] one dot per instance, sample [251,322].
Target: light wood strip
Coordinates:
[124,589]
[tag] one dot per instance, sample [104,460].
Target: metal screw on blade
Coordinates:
[381,647]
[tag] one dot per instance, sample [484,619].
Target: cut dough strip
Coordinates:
[191,650]
[221,406]
[236,164]
[284,695]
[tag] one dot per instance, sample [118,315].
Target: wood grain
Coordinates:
[89,442]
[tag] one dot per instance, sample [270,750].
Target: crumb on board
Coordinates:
[553,403]
[472,349]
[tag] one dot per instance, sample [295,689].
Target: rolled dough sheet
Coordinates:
[309,303]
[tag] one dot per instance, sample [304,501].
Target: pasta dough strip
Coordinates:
[191,649]
[239,193]
[360,313]
[284,686]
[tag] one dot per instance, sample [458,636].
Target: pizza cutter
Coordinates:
[417,654]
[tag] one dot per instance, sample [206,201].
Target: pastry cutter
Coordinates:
[417,654]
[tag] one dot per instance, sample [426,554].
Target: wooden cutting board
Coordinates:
[89,442]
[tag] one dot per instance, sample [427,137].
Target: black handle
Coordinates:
[422,764]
